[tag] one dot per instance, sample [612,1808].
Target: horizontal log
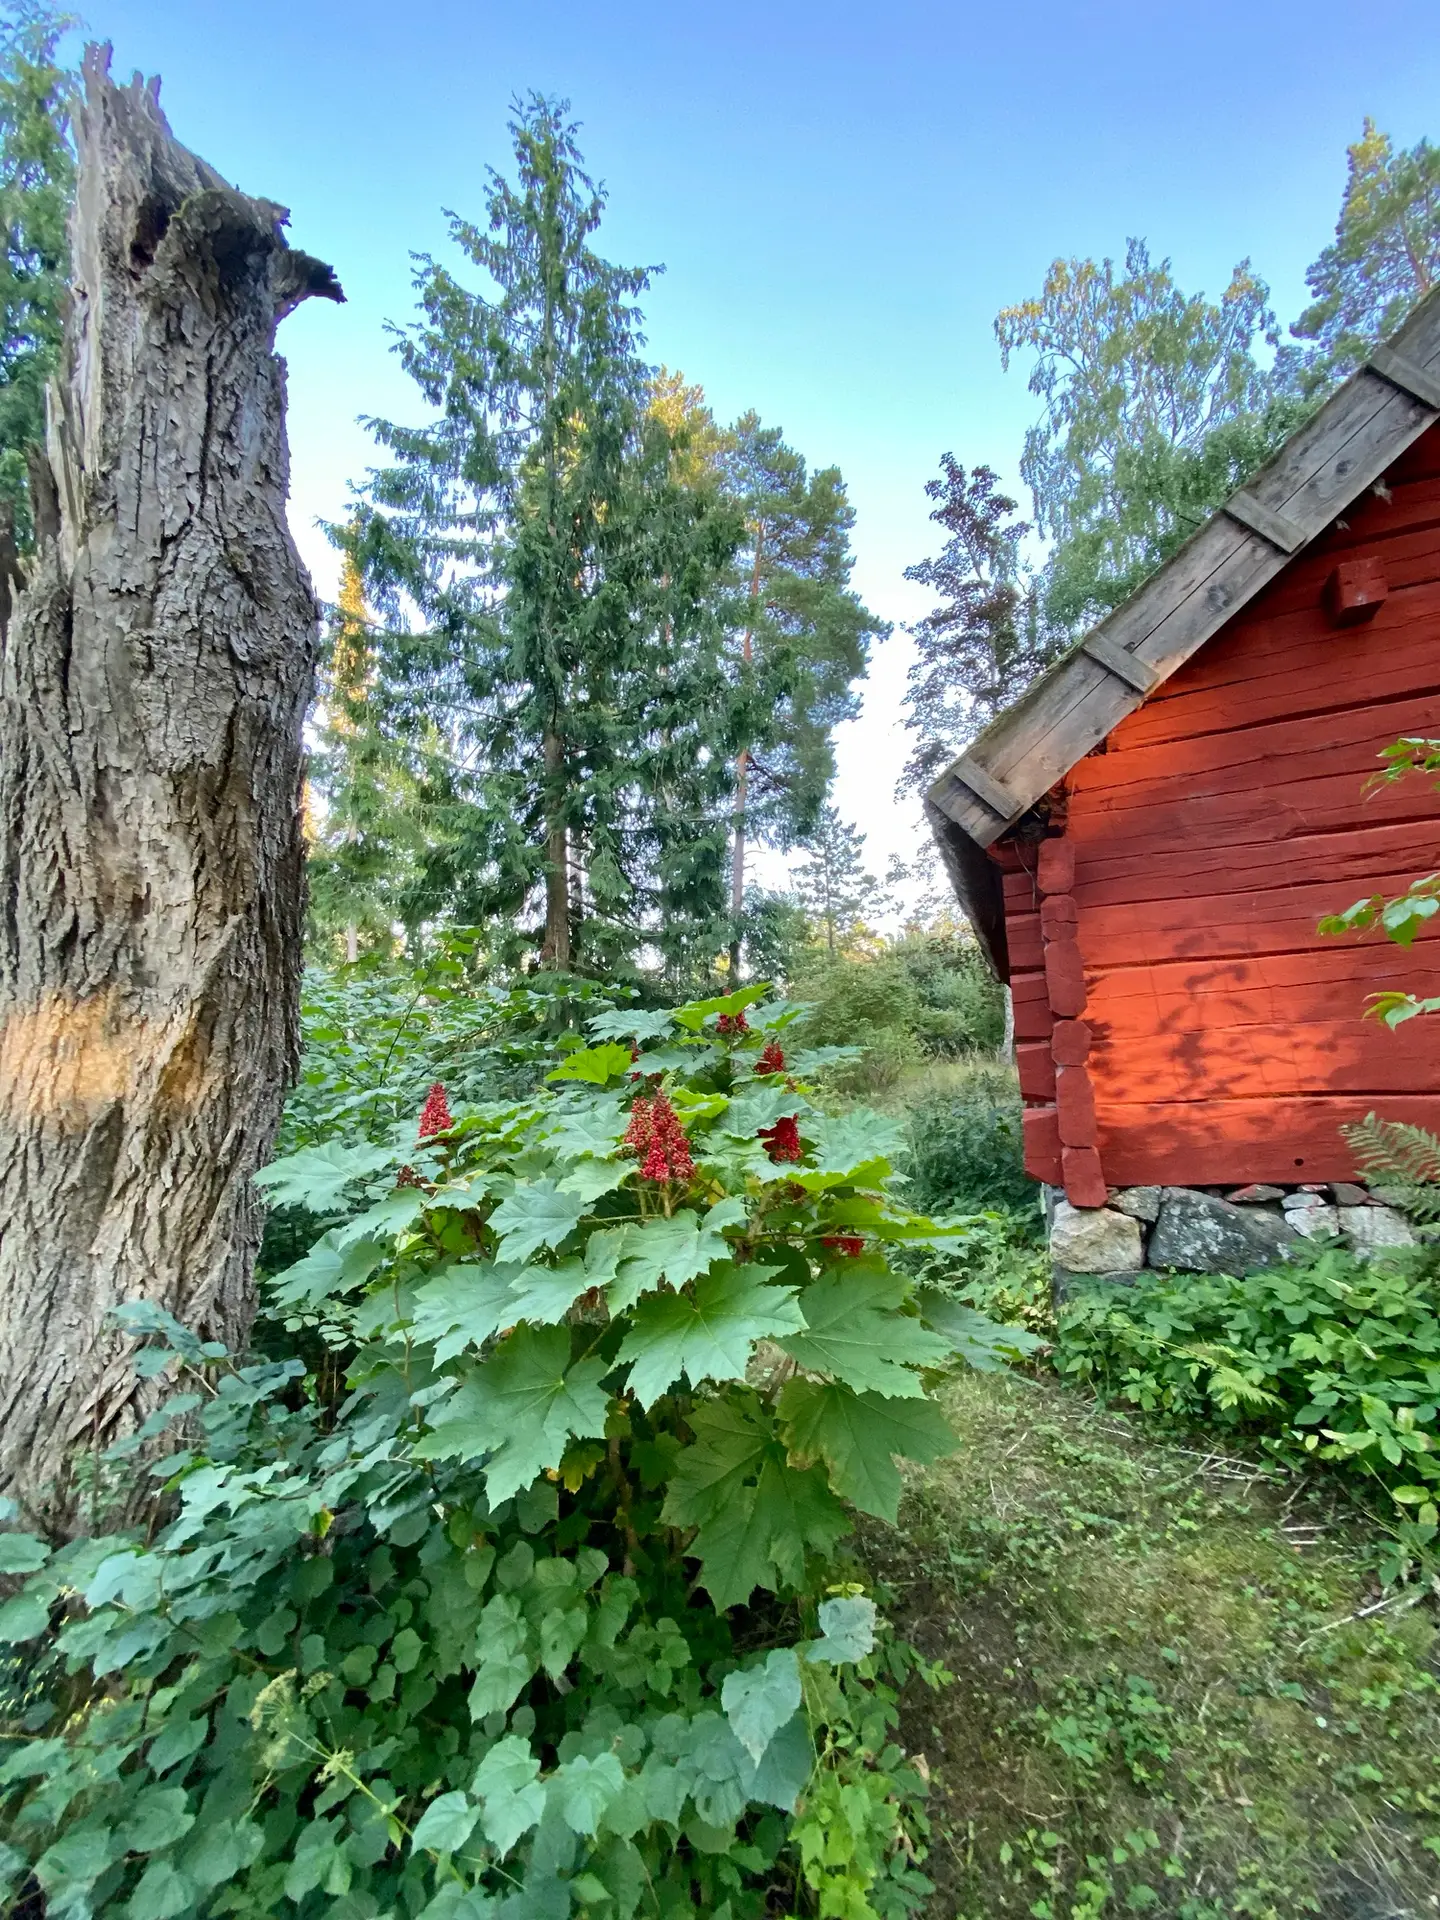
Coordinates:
[1282,671]
[1022,935]
[1232,1142]
[1055,866]
[1070,1043]
[1033,1018]
[1237,760]
[1059,916]
[1211,865]
[1200,924]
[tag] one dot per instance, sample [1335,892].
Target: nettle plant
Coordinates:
[544,1616]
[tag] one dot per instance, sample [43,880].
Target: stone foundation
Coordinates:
[1195,1230]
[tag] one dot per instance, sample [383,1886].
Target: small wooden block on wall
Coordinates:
[1355,590]
[1064,978]
[1040,1129]
[1059,916]
[1075,1103]
[1055,867]
[1036,1069]
[1070,1043]
[1083,1177]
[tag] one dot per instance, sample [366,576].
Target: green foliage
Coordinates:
[1105,1592]
[1335,1359]
[1400,1160]
[870,1008]
[800,637]
[961,1003]
[1134,378]
[37,178]
[436,1640]
[964,1148]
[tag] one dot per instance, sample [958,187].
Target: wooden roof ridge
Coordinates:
[1343,448]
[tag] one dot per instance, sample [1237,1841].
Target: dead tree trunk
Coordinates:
[154,676]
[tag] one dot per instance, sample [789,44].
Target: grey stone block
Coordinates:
[1141,1203]
[1315,1222]
[1368,1229]
[1197,1233]
[1094,1240]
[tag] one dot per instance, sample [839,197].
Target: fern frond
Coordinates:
[1400,1161]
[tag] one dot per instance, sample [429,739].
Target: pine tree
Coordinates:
[984,643]
[803,638]
[363,846]
[37,179]
[547,581]
[831,882]
[1384,258]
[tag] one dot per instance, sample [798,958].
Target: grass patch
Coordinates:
[1161,1703]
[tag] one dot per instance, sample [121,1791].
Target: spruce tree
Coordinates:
[547,582]
[831,882]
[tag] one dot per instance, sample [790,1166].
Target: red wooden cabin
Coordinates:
[1147,839]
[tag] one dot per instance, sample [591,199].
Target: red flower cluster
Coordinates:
[782,1141]
[772,1060]
[655,1132]
[407,1177]
[732,1023]
[850,1244]
[435,1114]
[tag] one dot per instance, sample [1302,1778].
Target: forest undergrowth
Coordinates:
[1182,1685]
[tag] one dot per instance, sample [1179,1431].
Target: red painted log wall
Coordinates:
[1210,833]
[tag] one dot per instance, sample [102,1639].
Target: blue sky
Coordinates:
[843,197]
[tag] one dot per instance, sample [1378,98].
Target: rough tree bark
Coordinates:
[154,675]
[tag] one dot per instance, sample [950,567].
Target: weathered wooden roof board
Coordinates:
[1325,465]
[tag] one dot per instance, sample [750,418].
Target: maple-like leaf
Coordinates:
[855,1434]
[754,1514]
[462,1306]
[854,1332]
[679,1250]
[520,1408]
[537,1214]
[707,1333]
[318,1178]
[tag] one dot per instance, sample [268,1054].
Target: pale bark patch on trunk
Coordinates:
[154,675]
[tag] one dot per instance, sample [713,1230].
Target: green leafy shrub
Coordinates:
[868,1012]
[961,1003]
[965,1151]
[1329,1358]
[541,1614]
